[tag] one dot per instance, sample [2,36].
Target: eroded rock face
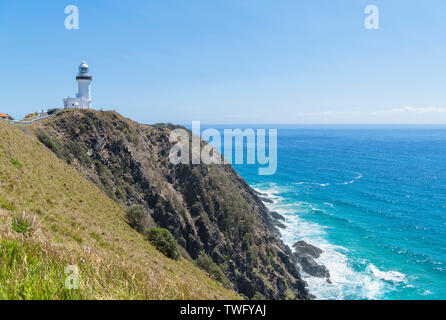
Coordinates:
[267,200]
[279,224]
[208,208]
[260,193]
[305,255]
[277,216]
[310,266]
[308,249]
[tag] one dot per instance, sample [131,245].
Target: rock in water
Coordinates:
[260,193]
[310,266]
[305,254]
[308,249]
[279,224]
[277,216]
[266,200]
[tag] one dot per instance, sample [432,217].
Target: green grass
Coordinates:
[75,223]
[5,204]
[16,163]
[21,223]
[29,273]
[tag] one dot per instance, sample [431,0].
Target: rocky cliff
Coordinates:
[52,217]
[209,209]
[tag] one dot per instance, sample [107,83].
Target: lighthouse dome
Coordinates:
[84,72]
[83,68]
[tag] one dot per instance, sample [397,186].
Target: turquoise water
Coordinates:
[373,198]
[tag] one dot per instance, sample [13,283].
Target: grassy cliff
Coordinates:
[214,215]
[52,217]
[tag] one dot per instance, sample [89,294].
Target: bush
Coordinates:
[51,144]
[169,125]
[134,216]
[163,240]
[79,153]
[30,115]
[46,140]
[205,262]
[21,223]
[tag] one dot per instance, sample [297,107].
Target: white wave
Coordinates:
[312,183]
[426,293]
[347,283]
[392,276]
[359,176]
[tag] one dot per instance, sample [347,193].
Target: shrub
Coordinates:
[205,263]
[79,153]
[58,149]
[134,216]
[169,125]
[21,223]
[46,140]
[163,240]
[30,115]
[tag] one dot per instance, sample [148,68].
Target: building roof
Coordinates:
[2,115]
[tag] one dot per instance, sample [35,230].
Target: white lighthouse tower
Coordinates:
[83,96]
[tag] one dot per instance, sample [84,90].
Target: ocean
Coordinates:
[373,198]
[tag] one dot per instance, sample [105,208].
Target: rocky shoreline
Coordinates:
[304,254]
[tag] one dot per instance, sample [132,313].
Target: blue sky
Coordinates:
[230,61]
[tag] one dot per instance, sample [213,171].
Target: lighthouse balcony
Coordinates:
[76,103]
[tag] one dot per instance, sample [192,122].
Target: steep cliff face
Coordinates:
[52,217]
[208,208]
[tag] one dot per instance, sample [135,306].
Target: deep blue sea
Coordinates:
[373,198]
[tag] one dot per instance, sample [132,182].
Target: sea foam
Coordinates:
[346,282]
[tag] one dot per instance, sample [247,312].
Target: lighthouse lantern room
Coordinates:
[83,96]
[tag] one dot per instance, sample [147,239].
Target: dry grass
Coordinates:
[69,221]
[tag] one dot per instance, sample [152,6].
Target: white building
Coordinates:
[83,96]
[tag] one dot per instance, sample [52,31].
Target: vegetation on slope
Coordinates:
[163,240]
[209,209]
[69,221]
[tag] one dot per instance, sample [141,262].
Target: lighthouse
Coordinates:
[83,96]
